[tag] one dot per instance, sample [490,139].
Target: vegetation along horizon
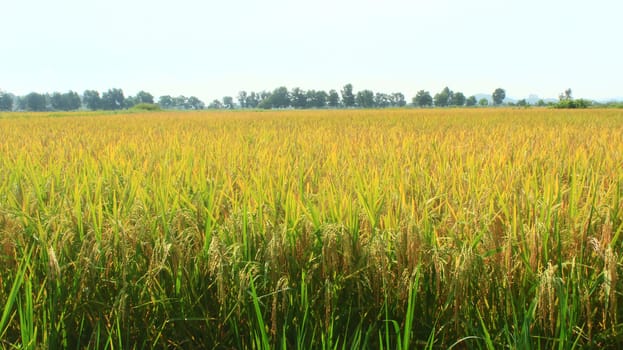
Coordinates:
[485,228]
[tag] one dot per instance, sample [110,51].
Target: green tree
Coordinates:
[263,95]
[348,98]
[91,99]
[144,97]
[458,99]
[242,99]
[333,100]
[471,101]
[56,100]
[6,101]
[166,102]
[316,99]
[298,98]
[280,98]
[382,100]
[67,101]
[498,96]
[252,100]
[522,103]
[180,102]
[379,100]
[566,95]
[483,102]
[264,100]
[196,104]
[423,99]
[129,102]
[228,102]
[72,100]
[365,99]
[35,102]
[113,99]
[216,104]
[398,99]
[443,98]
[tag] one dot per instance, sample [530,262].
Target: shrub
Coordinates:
[146,107]
[579,103]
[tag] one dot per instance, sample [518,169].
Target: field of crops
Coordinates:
[380,229]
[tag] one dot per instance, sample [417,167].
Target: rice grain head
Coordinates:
[53,267]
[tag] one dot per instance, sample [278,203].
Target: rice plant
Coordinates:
[463,228]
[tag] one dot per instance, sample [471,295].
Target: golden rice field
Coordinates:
[375,229]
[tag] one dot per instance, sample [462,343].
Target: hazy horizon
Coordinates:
[211,50]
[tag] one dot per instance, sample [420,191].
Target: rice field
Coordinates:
[349,229]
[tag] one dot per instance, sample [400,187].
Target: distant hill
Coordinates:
[613,99]
[531,99]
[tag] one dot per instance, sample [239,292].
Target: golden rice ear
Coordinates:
[216,267]
[547,296]
[53,267]
[609,292]
[330,251]
[606,231]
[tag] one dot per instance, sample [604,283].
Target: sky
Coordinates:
[212,49]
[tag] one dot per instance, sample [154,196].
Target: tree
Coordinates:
[278,99]
[566,95]
[333,100]
[35,102]
[6,101]
[443,98]
[483,102]
[264,100]
[180,102]
[252,100]
[113,99]
[522,103]
[458,99]
[144,97]
[68,101]
[91,99]
[72,100]
[316,99]
[196,104]
[56,100]
[579,103]
[422,99]
[298,98]
[263,95]
[382,100]
[129,102]
[216,104]
[498,96]
[365,99]
[242,99]
[348,99]
[471,101]
[228,102]
[166,102]
[398,99]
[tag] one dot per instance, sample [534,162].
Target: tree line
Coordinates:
[112,99]
[279,98]
[298,98]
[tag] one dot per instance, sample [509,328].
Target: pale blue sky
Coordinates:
[211,49]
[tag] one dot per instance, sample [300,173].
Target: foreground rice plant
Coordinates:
[316,229]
